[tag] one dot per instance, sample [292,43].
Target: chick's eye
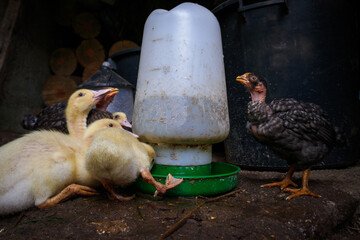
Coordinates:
[81,94]
[111,125]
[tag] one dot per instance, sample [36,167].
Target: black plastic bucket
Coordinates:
[308,50]
[127,64]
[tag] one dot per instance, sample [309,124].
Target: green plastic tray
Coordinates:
[223,178]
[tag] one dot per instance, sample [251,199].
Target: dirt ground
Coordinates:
[250,213]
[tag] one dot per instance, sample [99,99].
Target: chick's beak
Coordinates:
[244,79]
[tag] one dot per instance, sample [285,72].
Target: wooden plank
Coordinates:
[6,31]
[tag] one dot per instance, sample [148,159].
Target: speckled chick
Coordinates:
[299,132]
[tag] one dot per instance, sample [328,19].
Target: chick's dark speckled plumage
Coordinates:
[53,118]
[296,131]
[301,133]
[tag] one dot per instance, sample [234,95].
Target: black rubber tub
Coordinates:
[308,50]
[127,63]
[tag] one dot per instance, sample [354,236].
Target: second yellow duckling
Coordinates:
[82,180]
[115,157]
[122,118]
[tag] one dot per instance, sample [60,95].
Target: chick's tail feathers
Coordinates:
[28,121]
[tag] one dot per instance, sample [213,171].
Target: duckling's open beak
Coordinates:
[105,97]
[244,79]
[110,96]
[105,93]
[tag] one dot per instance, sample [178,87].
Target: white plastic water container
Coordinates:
[181,102]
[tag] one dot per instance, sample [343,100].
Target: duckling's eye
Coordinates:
[152,161]
[253,78]
[111,125]
[81,94]
[117,116]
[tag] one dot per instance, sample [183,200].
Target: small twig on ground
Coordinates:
[178,224]
[22,214]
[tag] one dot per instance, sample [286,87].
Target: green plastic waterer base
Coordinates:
[200,170]
[223,178]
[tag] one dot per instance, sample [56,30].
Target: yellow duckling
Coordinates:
[34,167]
[115,157]
[79,105]
[39,165]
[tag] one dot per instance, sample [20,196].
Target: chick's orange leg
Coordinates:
[161,189]
[286,181]
[304,190]
[109,187]
[66,193]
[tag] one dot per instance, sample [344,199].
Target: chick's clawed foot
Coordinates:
[300,192]
[282,184]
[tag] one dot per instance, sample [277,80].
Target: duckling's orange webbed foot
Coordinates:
[112,194]
[68,192]
[161,189]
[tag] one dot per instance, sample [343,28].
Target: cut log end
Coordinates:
[58,89]
[63,62]
[90,51]
[86,25]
